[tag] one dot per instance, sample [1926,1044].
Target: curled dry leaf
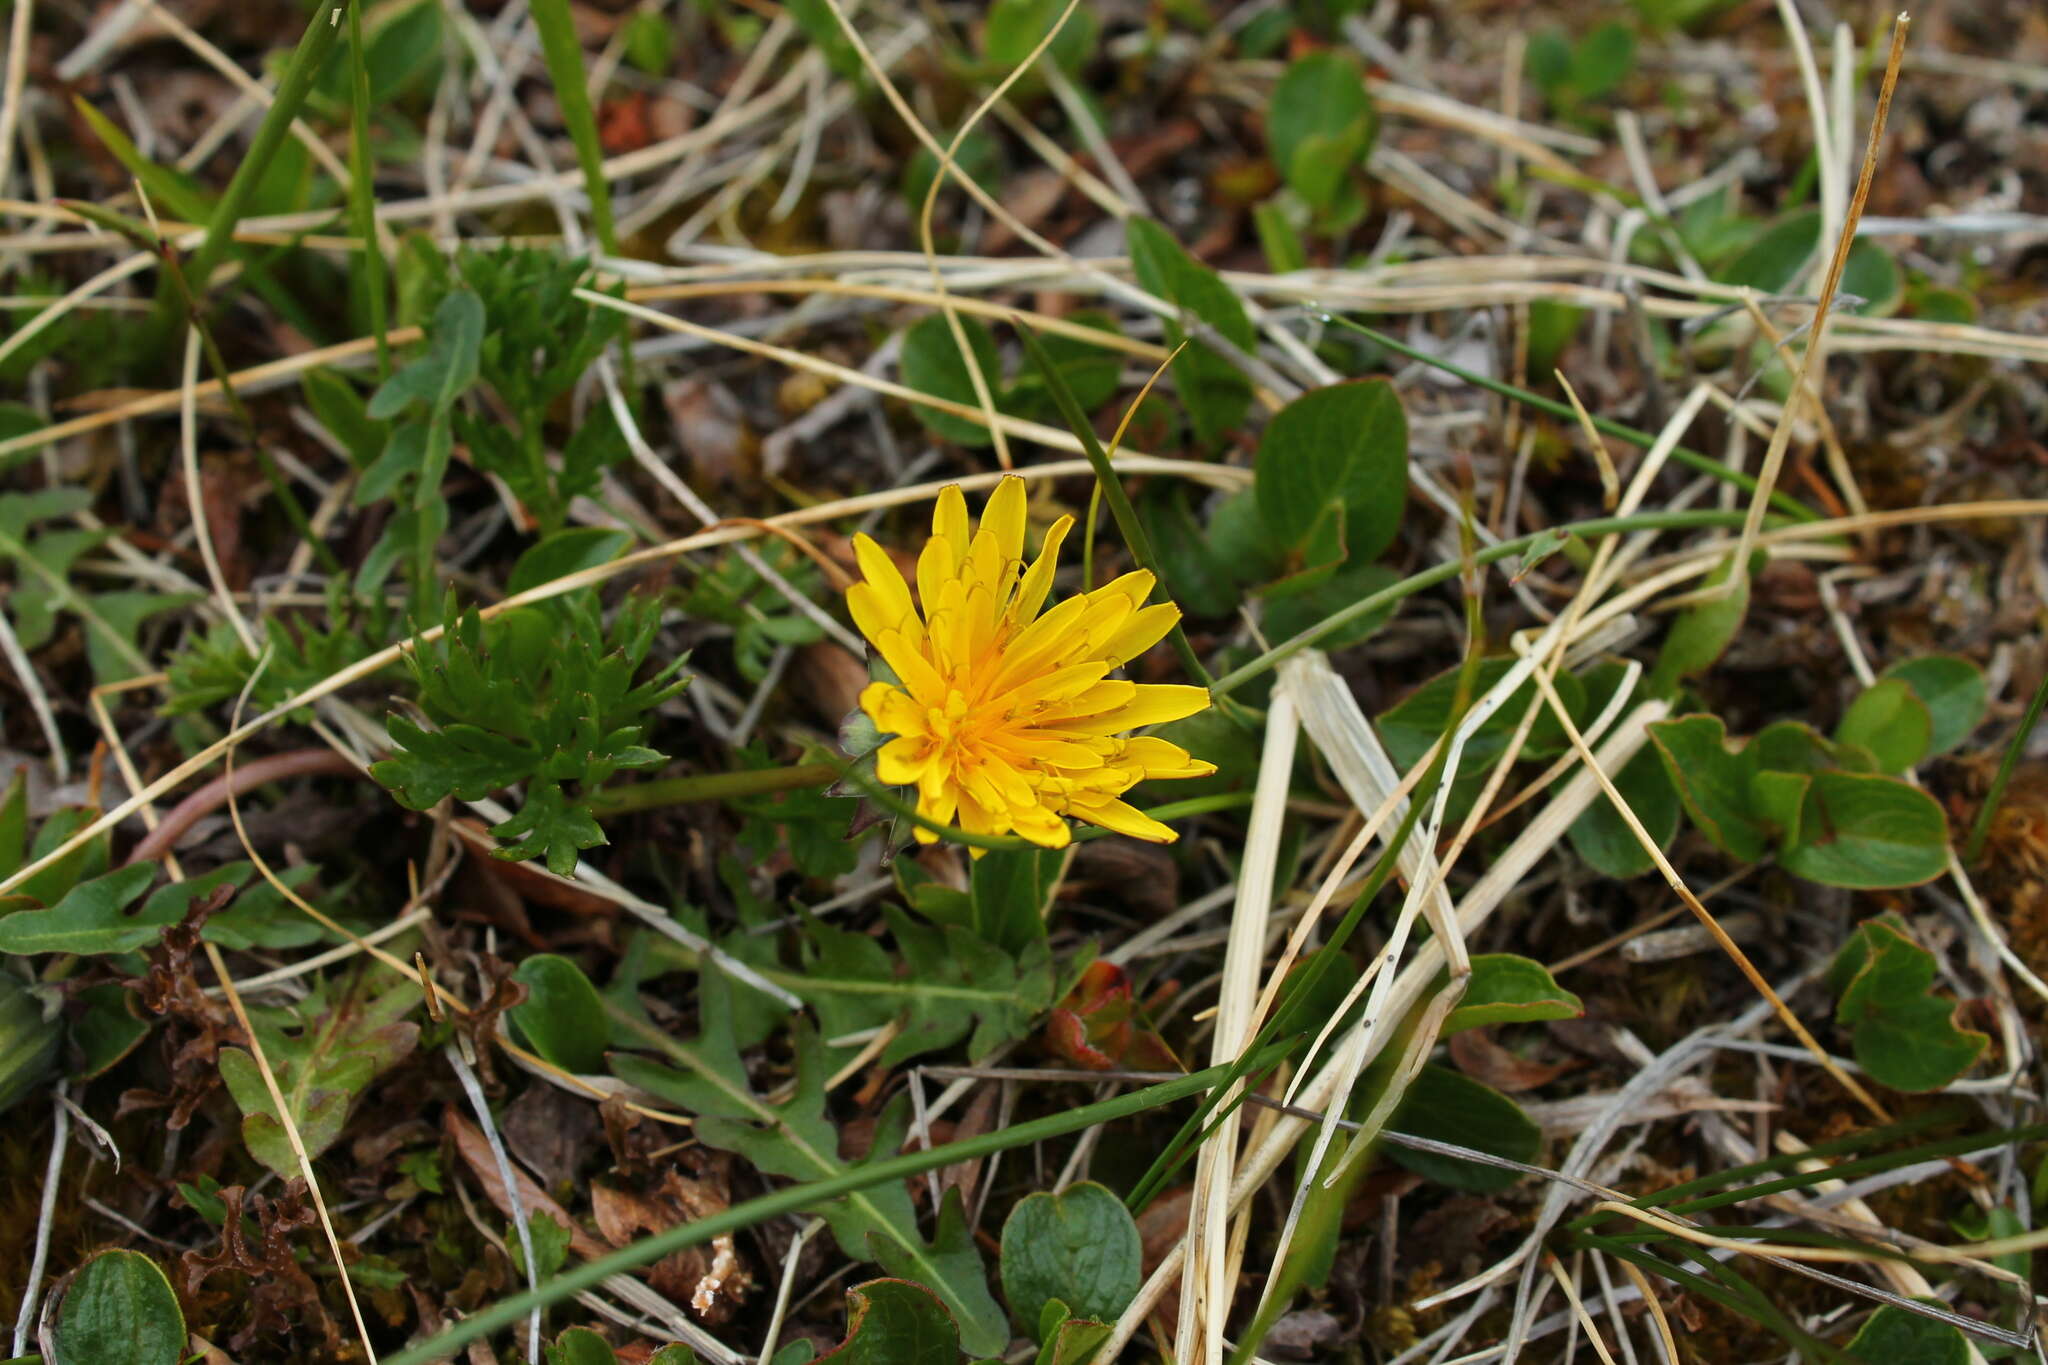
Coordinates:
[1484,1060]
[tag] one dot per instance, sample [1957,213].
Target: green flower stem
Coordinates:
[307,61]
[1980,828]
[1110,487]
[1430,577]
[796,1199]
[682,791]
[1642,440]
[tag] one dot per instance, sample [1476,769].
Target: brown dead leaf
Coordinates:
[1486,1061]
[280,1294]
[475,1151]
[550,1131]
[722,451]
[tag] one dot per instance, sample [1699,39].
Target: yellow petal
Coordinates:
[949,522]
[892,709]
[912,669]
[902,762]
[1156,758]
[1147,626]
[1041,827]
[1004,516]
[891,595]
[1124,818]
[1037,581]
[1155,704]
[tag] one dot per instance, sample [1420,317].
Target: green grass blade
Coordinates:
[322,31]
[564,53]
[362,193]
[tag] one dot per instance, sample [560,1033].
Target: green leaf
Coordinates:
[1952,689]
[324,1053]
[1015,27]
[1548,58]
[1092,372]
[932,364]
[1603,838]
[1602,59]
[120,1310]
[1216,394]
[1337,455]
[1698,637]
[106,1029]
[1320,124]
[1506,989]
[561,1018]
[1869,831]
[1894,1336]
[651,43]
[896,1322]
[952,984]
[1904,1036]
[580,1346]
[90,920]
[551,1239]
[1008,892]
[1080,1247]
[448,366]
[1448,1107]
[460,760]
[1712,783]
[678,1354]
[1287,616]
[344,413]
[1891,721]
[565,553]
[549,824]
[28,1040]
[798,1140]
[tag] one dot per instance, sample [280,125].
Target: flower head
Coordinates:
[1006,719]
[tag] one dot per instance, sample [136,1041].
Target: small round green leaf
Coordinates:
[581,1346]
[1891,721]
[1080,1247]
[1342,448]
[562,1016]
[932,364]
[120,1310]
[1952,688]
[1320,123]
[896,1322]
[1869,831]
[1507,989]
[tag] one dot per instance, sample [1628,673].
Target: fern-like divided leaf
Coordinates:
[797,1139]
[540,695]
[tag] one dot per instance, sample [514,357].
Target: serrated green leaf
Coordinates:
[89,918]
[324,1053]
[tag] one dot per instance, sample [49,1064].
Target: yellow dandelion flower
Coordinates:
[1005,719]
